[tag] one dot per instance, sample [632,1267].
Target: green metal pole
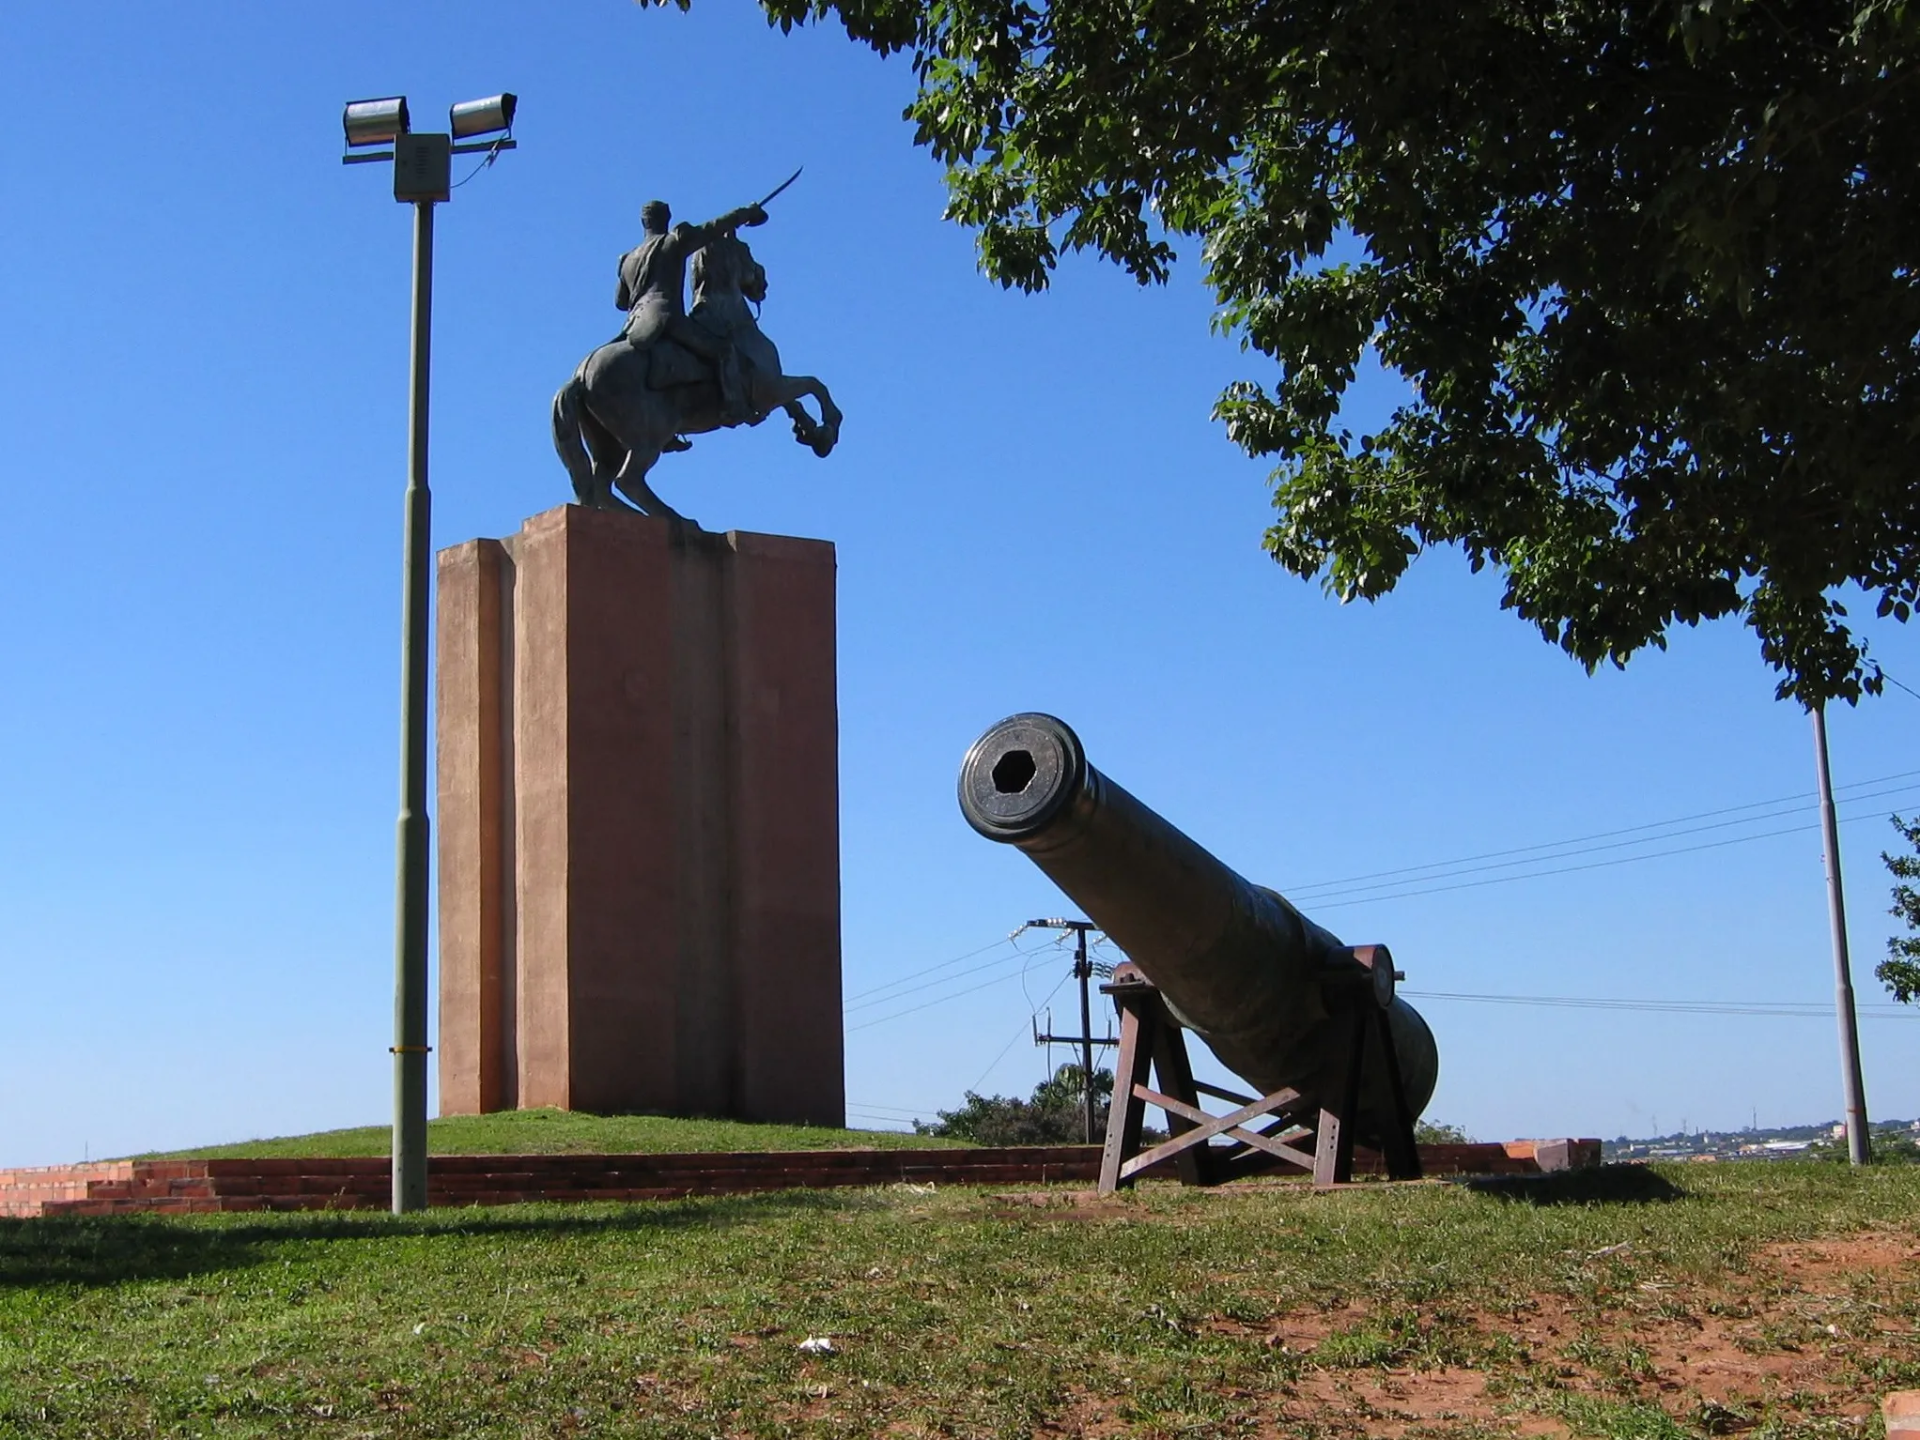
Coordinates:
[410,959]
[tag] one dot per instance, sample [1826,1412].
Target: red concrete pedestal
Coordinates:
[638,822]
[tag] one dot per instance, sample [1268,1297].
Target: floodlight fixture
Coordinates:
[375,122]
[482,117]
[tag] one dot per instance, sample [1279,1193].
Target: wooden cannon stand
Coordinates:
[1150,1036]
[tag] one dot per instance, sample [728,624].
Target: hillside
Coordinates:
[556,1132]
[1641,1303]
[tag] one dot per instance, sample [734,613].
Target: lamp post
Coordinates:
[422,176]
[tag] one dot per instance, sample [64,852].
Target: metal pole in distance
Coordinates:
[1855,1090]
[410,958]
[1084,971]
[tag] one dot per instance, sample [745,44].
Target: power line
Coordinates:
[1024,1025]
[895,1123]
[1795,1009]
[1331,893]
[1591,865]
[1599,835]
[942,999]
[1006,939]
[1891,681]
[1002,1055]
[996,963]
[1338,904]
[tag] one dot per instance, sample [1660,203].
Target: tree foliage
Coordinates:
[1900,971]
[1646,268]
[1052,1116]
[1889,1147]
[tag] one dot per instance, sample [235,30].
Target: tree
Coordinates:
[1900,971]
[1646,267]
[1051,1117]
[1890,1147]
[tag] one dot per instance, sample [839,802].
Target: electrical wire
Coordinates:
[1006,939]
[1591,865]
[1409,870]
[1908,688]
[1340,894]
[1595,849]
[1338,904]
[942,999]
[1800,1009]
[1025,1028]
[999,962]
[492,155]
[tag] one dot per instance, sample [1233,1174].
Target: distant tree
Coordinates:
[1429,1132]
[1900,971]
[1890,1147]
[1646,269]
[1894,1149]
[1051,1116]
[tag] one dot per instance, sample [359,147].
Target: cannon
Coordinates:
[1313,1025]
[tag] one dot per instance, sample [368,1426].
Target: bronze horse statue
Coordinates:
[625,405]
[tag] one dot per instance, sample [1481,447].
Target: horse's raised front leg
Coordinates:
[819,435]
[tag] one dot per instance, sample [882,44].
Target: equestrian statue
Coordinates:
[674,372]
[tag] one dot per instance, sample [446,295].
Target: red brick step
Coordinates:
[189,1187]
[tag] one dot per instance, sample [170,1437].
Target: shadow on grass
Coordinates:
[1601,1185]
[113,1249]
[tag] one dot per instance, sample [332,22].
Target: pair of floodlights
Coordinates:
[423,164]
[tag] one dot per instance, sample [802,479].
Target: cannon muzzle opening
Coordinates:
[1020,775]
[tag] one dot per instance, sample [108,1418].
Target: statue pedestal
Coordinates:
[638,822]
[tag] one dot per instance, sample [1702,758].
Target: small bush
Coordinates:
[1052,1116]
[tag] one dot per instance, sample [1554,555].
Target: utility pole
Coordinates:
[1854,1089]
[1086,1039]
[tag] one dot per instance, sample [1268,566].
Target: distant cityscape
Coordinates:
[1765,1142]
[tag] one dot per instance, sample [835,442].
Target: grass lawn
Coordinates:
[1777,1300]
[558,1132]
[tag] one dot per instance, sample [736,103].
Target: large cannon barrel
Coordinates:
[1261,984]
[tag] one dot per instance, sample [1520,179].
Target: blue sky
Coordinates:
[203,420]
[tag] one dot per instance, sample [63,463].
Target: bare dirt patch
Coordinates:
[1845,1259]
[1791,1341]
[1059,1205]
[1394,1403]
[1298,1331]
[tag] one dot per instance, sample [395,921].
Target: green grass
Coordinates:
[557,1132]
[1261,1311]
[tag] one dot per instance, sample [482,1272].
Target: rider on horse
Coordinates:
[653,280]
[666,376]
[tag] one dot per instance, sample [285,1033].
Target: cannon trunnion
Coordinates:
[1311,1024]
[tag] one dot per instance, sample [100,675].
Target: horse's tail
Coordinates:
[568,415]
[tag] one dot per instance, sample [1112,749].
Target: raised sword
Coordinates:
[782,185]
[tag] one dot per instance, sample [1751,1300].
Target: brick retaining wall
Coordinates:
[199,1186]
